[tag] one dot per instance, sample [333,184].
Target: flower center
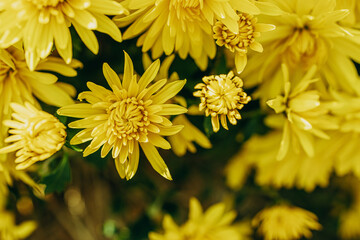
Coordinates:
[305,47]
[128,119]
[240,41]
[46,3]
[184,11]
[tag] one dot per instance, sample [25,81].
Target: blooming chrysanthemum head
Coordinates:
[182,26]
[40,23]
[284,222]
[214,223]
[19,84]
[36,135]
[132,114]
[307,34]
[303,115]
[222,96]
[239,42]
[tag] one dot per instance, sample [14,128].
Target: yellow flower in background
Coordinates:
[36,135]
[182,26]
[307,33]
[214,223]
[238,43]
[131,114]
[41,23]
[222,97]
[346,106]
[19,84]
[8,174]
[295,170]
[283,222]
[301,114]
[184,140]
[10,231]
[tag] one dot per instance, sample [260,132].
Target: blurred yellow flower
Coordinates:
[238,43]
[214,223]
[132,114]
[301,114]
[182,26]
[307,33]
[19,84]
[41,23]
[346,106]
[36,135]
[221,97]
[295,170]
[284,222]
[10,231]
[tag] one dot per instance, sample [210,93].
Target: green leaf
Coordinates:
[58,178]
[208,126]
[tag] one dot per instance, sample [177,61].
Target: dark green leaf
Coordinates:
[208,126]
[57,179]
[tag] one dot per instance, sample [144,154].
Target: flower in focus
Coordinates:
[36,135]
[222,96]
[132,114]
[284,222]
[10,231]
[214,223]
[41,23]
[307,33]
[19,84]
[238,43]
[182,26]
[300,114]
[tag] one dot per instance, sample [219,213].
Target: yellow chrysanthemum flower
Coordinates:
[284,222]
[183,140]
[19,84]
[307,33]
[41,23]
[222,97]
[36,135]
[295,170]
[214,223]
[238,43]
[132,114]
[10,231]
[301,114]
[182,26]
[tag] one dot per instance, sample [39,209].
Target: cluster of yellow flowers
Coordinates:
[302,66]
